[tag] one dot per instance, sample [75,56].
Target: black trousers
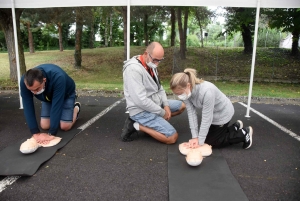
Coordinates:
[223,135]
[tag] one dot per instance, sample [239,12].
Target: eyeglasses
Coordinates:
[155,60]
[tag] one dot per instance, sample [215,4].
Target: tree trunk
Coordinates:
[110,30]
[124,15]
[247,38]
[60,40]
[78,36]
[173,33]
[181,35]
[200,26]
[6,22]
[186,16]
[30,38]
[92,35]
[146,36]
[106,32]
[295,49]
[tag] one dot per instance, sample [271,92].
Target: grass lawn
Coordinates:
[102,69]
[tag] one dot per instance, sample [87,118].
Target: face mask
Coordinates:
[41,91]
[184,96]
[151,65]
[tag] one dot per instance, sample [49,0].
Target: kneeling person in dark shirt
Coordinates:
[51,85]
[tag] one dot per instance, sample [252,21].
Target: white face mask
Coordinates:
[151,65]
[184,96]
[41,91]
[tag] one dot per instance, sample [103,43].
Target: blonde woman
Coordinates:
[217,111]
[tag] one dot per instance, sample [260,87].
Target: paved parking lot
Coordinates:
[97,165]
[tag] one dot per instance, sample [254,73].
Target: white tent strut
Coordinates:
[16,49]
[128,29]
[253,57]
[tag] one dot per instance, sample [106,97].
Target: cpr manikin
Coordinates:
[31,145]
[194,156]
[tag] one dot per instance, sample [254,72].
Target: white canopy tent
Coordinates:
[76,3]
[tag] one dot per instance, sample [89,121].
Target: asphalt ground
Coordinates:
[97,165]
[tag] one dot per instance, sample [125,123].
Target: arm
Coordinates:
[193,119]
[28,106]
[163,95]
[207,116]
[138,93]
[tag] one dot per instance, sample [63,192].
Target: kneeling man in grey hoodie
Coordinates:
[146,100]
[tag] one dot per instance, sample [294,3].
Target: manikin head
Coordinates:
[194,157]
[35,81]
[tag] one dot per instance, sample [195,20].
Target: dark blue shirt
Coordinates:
[58,87]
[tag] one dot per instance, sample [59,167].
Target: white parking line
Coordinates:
[11,179]
[7,181]
[90,122]
[294,135]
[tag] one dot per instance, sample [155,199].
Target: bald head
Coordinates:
[156,52]
[155,47]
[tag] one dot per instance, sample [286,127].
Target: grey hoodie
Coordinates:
[142,93]
[217,109]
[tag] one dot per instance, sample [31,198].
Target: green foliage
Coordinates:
[193,40]
[288,19]
[236,17]
[102,68]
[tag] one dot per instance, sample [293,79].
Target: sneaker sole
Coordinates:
[241,124]
[78,104]
[250,133]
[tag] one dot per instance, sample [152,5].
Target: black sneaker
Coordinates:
[78,105]
[128,130]
[248,137]
[238,125]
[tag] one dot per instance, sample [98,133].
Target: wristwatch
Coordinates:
[49,134]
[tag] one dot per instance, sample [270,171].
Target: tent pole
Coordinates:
[128,29]
[16,49]
[253,57]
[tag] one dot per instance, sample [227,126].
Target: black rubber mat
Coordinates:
[211,180]
[13,162]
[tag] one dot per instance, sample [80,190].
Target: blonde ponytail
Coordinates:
[189,75]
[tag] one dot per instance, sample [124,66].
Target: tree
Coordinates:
[30,19]
[241,19]
[123,10]
[151,19]
[289,20]
[78,37]
[173,21]
[6,23]
[182,30]
[203,15]
[58,17]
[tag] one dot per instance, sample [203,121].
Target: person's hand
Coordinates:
[193,143]
[168,113]
[43,138]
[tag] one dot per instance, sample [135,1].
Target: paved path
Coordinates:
[96,165]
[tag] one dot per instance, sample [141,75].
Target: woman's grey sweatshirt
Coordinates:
[141,91]
[217,109]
